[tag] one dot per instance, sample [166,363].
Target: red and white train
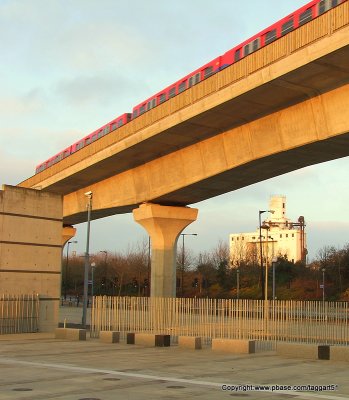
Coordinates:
[293,21]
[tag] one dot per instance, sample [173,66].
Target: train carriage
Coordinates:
[303,15]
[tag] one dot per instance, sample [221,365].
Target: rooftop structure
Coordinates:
[279,237]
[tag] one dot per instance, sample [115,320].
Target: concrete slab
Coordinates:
[40,367]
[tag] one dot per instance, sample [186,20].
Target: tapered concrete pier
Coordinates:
[164,225]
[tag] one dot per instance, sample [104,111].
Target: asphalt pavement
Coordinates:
[38,366]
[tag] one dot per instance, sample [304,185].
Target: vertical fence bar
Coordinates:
[280,320]
[19,313]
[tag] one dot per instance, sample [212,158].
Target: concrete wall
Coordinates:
[31,248]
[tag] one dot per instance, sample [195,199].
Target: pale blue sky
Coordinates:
[68,67]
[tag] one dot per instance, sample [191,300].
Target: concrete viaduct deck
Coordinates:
[282,108]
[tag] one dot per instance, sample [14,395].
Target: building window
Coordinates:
[280,236]
[242,238]
[253,237]
[292,234]
[287,235]
[232,239]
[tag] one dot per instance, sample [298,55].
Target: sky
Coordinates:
[68,67]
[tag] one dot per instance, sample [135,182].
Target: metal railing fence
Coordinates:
[19,313]
[278,320]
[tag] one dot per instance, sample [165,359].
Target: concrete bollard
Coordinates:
[109,336]
[190,342]
[237,346]
[303,350]
[339,353]
[70,334]
[130,338]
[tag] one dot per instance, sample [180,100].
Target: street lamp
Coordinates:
[182,272]
[323,284]
[237,284]
[87,256]
[66,269]
[105,269]
[93,266]
[149,266]
[274,265]
[261,250]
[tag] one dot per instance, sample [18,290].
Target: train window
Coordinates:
[114,126]
[135,114]
[255,44]
[270,36]
[120,123]
[237,55]
[88,140]
[322,6]
[247,50]
[334,3]
[251,47]
[208,71]
[66,153]
[193,80]
[162,98]
[94,137]
[106,130]
[305,17]
[182,86]
[287,27]
[172,92]
[151,104]
[142,109]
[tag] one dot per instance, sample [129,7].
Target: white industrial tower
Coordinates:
[279,237]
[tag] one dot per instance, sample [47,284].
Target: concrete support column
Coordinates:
[68,232]
[164,225]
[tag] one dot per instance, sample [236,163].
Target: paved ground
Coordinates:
[36,366]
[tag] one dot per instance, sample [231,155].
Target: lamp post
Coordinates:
[66,269]
[274,265]
[266,227]
[87,256]
[237,284]
[261,250]
[93,266]
[105,269]
[149,266]
[323,284]
[182,272]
